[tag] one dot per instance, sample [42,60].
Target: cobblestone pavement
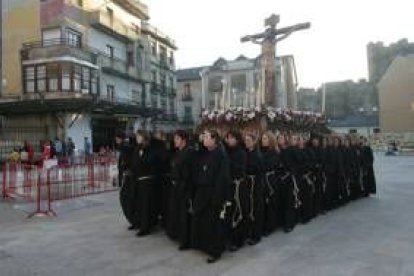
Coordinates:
[374,236]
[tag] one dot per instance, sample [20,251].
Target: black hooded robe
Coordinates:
[211,180]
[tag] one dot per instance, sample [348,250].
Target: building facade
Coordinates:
[227,84]
[239,83]
[396,96]
[381,56]
[309,99]
[189,92]
[84,68]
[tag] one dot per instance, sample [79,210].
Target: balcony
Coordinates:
[112,26]
[56,48]
[155,88]
[157,34]
[172,92]
[121,68]
[135,7]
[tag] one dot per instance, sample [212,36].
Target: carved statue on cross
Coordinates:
[268,40]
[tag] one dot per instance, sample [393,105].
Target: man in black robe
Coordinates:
[254,172]
[125,179]
[180,201]
[303,172]
[162,183]
[368,163]
[288,193]
[271,159]
[211,180]
[357,185]
[315,151]
[240,191]
[144,171]
[348,162]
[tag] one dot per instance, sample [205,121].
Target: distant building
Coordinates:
[239,83]
[226,84]
[396,96]
[346,98]
[351,106]
[380,57]
[189,92]
[309,99]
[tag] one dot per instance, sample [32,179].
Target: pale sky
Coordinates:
[333,49]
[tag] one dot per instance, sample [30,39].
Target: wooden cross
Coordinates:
[268,40]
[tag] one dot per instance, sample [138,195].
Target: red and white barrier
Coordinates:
[53,182]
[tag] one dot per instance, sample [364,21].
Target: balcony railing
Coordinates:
[60,47]
[112,25]
[63,47]
[120,67]
[147,28]
[136,7]
[187,98]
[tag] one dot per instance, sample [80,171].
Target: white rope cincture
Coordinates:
[324,182]
[238,210]
[298,203]
[361,180]
[348,186]
[310,182]
[269,185]
[253,182]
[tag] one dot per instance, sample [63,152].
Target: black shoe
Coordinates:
[132,228]
[288,230]
[253,242]
[234,248]
[183,247]
[212,260]
[142,233]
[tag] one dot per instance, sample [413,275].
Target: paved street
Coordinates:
[373,236]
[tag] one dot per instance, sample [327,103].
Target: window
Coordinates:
[77,76]
[66,78]
[188,112]
[143,96]
[172,106]
[86,77]
[94,81]
[154,48]
[110,92]
[187,90]
[30,79]
[172,82]
[238,83]
[171,58]
[154,76]
[130,58]
[163,81]
[41,78]
[163,104]
[139,59]
[73,38]
[109,51]
[215,84]
[154,100]
[136,97]
[111,16]
[163,54]
[53,76]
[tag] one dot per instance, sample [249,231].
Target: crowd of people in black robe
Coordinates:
[222,193]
